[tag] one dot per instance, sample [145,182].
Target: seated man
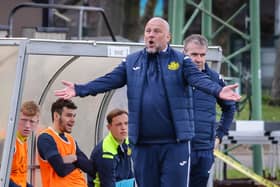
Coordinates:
[112,156]
[27,122]
[59,155]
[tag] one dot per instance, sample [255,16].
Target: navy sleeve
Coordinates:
[198,79]
[28,185]
[93,158]
[112,80]
[47,150]
[106,171]
[83,162]
[12,184]
[105,168]
[91,177]
[228,110]
[90,180]
[46,146]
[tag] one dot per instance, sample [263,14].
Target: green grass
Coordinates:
[234,174]
[269,113]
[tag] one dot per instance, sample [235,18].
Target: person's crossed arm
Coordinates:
[47,150]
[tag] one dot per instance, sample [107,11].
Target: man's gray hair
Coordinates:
[197,39]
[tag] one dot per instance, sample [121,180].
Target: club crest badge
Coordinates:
[173,65]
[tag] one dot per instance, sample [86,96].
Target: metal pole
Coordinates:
[206,26]
[219,20]
[80,26]
[177,20]
[50,15]
[192,18]
[170,15]
[256,78]
[7,159]
[229,20]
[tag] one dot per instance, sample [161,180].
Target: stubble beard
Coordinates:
[63,128]
[153,50]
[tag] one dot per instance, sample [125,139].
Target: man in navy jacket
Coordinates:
[159,103]
[206,135]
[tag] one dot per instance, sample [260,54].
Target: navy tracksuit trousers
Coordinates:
[201,163]
[162,165]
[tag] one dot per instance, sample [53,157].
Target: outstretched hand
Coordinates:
[227,93]
[68,92]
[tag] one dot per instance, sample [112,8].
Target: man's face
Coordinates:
[119,127]
[197,53]
[27,124]
[156,36]
[66,120]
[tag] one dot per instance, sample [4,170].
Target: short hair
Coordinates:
[166,24]
[58,105]
[197,39]
[113,113]
[30,108]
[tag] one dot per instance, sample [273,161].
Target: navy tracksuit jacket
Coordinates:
[113,163]
[207,129]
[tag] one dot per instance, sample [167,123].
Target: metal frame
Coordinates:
[265,133]
[81,10]
[13,116]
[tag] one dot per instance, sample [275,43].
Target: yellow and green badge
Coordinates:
[173,65]
[128,151]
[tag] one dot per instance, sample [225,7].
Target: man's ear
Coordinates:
[55,115]
[109,126]
[169,37]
